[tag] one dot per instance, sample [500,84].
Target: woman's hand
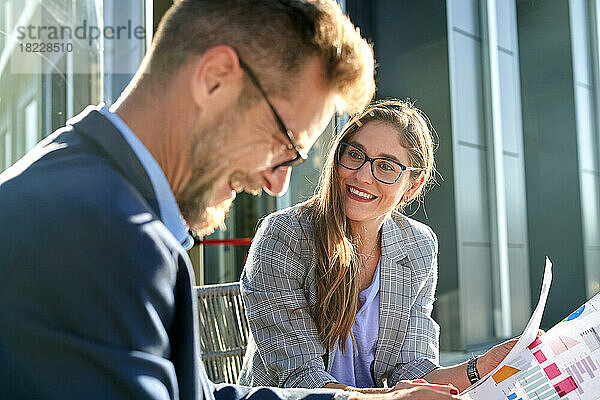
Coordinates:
[400,387]
[494,356]
[411,390]
[332,385]
[418,389]
[416,383]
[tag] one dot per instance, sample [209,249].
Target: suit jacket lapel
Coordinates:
[94,126]
[395,299]
[185,346]
[185,349]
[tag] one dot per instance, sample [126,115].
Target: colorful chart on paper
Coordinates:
[562,364]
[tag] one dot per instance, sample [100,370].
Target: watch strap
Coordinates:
[472,372]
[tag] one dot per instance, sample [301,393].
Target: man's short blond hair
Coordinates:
[276,38]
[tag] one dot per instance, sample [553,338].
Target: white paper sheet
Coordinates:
[563,364]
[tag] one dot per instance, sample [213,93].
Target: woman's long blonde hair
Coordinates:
[336,271]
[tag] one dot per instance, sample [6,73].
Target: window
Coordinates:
[8,150]
[31,125]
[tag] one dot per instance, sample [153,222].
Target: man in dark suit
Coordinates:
[95,283]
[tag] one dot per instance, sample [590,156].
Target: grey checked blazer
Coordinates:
[278,277]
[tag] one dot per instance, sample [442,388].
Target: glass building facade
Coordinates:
[511,86]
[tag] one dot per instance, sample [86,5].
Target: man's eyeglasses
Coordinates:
[383,169]
[301,155]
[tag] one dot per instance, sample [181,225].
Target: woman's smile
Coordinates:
[357,194]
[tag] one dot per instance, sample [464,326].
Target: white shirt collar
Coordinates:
[170,214]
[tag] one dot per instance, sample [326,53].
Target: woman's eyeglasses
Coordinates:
[383,169]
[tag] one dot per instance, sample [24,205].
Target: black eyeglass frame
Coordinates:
[301,155]
[371,160]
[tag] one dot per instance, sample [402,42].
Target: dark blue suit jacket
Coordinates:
[95,294]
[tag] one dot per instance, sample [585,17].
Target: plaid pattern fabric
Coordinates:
[278,288]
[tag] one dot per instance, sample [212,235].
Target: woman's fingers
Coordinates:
[540,332]
[422,392]
[406,384]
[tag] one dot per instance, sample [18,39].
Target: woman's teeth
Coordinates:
[358,193]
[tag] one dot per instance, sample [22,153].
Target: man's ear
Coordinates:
[414,188]
[216,77]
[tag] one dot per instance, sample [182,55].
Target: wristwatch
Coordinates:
[472,372]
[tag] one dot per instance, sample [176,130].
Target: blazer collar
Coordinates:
[393,240]
[92,124]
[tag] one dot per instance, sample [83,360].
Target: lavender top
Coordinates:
[353,368]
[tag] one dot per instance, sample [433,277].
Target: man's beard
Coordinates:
[195,198]
[201,218]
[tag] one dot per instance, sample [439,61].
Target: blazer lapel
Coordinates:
[395,298]
[94,126]
[193,382]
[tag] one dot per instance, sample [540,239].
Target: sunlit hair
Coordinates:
[275,38]
[336,271]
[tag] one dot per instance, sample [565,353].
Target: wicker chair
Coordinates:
[223,330]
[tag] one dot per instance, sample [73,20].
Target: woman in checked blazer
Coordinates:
[339,290]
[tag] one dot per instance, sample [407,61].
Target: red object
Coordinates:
[535,343]
[552,371]
[539,356]
[565,386]
[227,242]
